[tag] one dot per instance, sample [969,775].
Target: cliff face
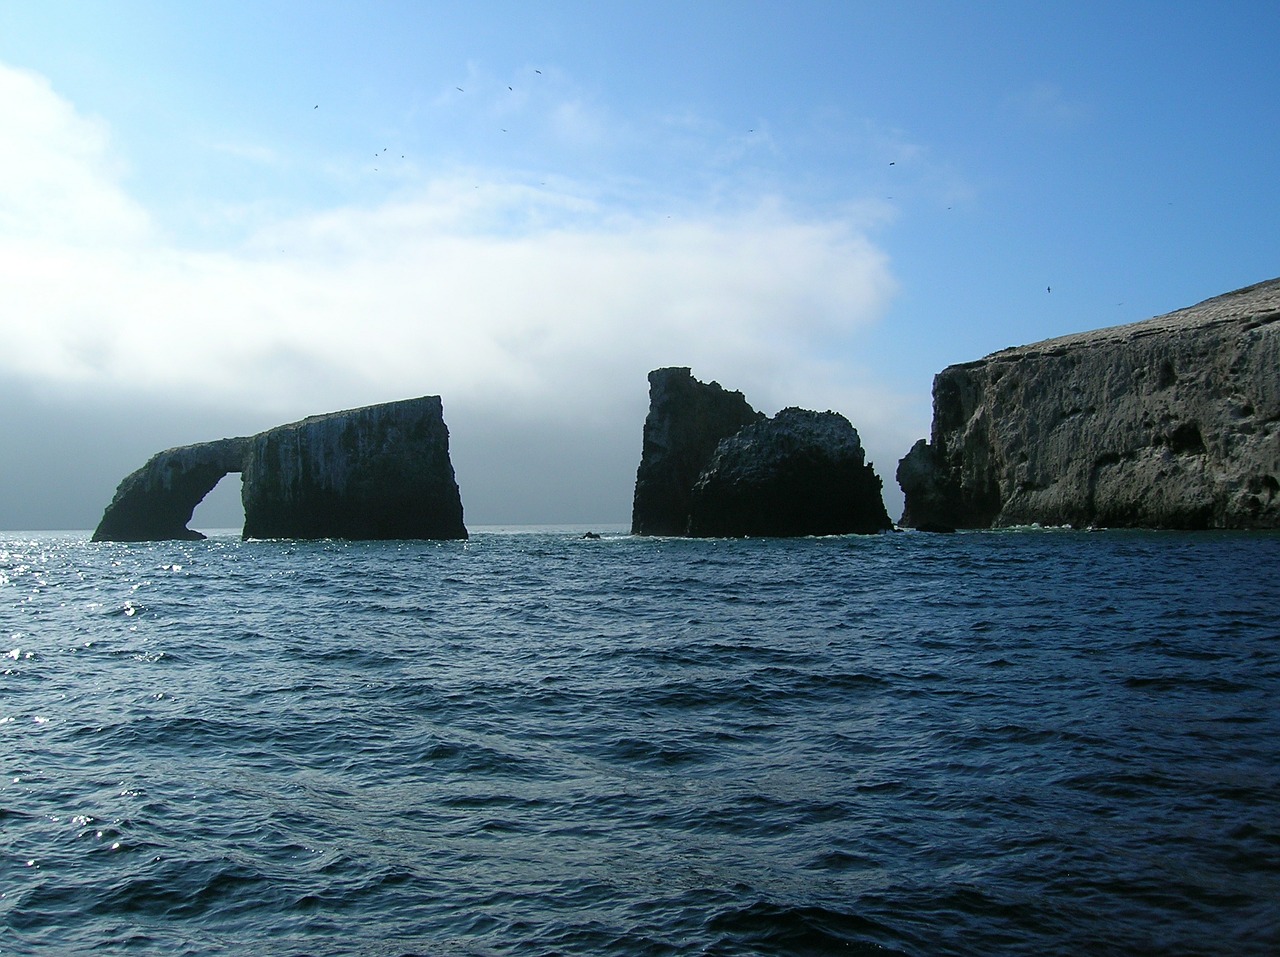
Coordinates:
[686,420]
[381,472]
[156,502]
[798,473]
[1169,423]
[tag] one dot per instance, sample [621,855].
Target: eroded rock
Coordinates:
[713,466]
[686,420]
[379,472]
[156,502]
[1169,423]
[798,473]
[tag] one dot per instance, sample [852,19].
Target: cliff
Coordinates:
[686,420]
[798,473]
[1173,422]
[380,472]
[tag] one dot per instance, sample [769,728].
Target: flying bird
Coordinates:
[539,72]
[460,89]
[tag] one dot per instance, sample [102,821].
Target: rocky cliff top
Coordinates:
[1250,307]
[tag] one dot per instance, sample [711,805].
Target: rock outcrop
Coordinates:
[686,420]
[713,466]
[380,472]
[798,473]
[156,502]
[1169,423]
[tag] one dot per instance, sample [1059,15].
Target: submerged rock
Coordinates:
[1169,423]
[379,472]
[686,420]
[798,473]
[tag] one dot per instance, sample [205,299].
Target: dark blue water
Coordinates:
[998,743]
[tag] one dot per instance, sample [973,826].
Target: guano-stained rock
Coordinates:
[798,473]
[1169,423]
[379,472]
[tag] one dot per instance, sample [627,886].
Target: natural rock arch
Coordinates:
[378,472]
[156,502]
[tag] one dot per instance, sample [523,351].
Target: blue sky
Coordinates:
[218,217]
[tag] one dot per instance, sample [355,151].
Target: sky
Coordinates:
[220,217]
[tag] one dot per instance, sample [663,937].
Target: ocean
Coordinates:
[1017,742]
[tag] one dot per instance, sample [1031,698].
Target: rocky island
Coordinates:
[712,466]
[378,472]
[1173,422]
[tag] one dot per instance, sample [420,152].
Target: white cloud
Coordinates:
[56,172]
[526,303]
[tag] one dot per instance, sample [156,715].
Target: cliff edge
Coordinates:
[1173,422]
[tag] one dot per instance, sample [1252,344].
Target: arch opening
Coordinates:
[222,509]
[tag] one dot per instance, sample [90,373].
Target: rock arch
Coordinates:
[378,472]
[156,502]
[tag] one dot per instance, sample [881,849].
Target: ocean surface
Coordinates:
[1022,742]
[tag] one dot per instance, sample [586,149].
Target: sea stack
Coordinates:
[714,467]
[1173,422]
[379,472]
[686,420]
[798,473]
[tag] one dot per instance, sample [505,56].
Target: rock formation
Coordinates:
[1169,423]
[686,420]
[713,466]
[156,502]
[798,473]
[380,472]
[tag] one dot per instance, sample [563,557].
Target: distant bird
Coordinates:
[537,71]
[316,107]
[1048,289]
[508,88]
[460,89]
[892,163]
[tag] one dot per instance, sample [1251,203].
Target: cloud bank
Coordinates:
[525,307]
